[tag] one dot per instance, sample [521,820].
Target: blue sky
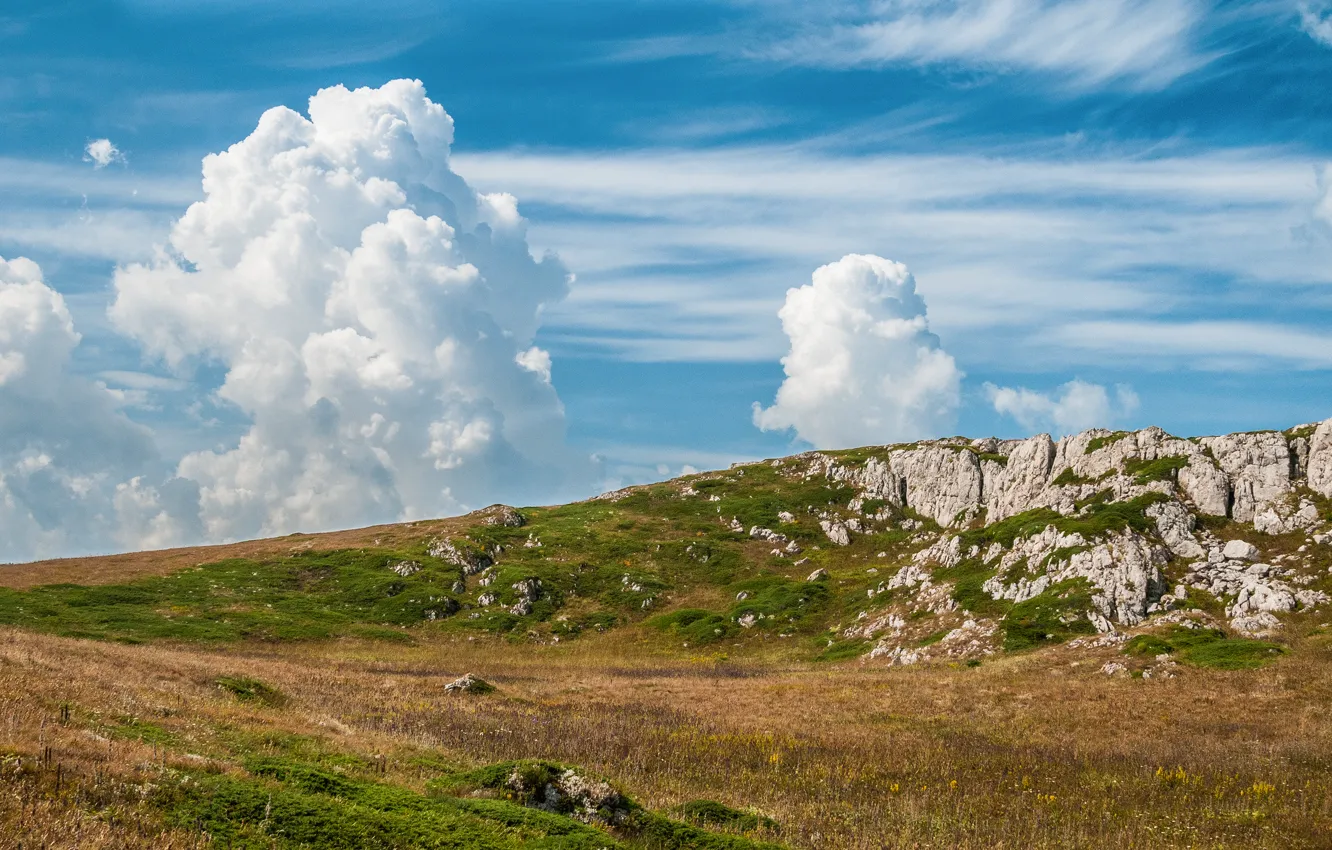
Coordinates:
[1125,193]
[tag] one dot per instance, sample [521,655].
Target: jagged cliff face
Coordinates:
[1114,513]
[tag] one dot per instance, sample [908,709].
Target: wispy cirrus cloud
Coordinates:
[1145,43]
[684,255]
[1138,44]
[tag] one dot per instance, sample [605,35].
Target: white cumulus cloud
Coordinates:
[375,318]
[863,366]
[1316,21]
[1076,406]
[64,445]
[101,153]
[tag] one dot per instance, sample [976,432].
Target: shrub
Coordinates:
[250,690]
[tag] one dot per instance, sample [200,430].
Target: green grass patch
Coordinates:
[1056,615]
[933,638]
[709,813]
[1206,648]
[695,626]
[968,576]
[1069,478]
[1161,469]
[843,650]
[1098,443]
[285,803]
[309,596]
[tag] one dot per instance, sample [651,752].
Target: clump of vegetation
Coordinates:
[1052,617]
[695,626]
[1098,443]
[251,690]
[1069,478]
[1203,647]
[1097,518]
[709,813]
[1161,469]
[843,650]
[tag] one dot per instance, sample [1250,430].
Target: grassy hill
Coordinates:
[708,655]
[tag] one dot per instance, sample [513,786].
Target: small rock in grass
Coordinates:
[470,684]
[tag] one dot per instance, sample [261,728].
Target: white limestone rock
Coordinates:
[1240,550]
[1017,485]
[1319,475]
[1175,525]
[836,531]
[945,552]
[1258,624]
[941,483]
[1257,466]
[1285,515]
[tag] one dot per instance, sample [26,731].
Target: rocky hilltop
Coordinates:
[1176,508]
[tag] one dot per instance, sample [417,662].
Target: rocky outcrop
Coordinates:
[469,684]
[1257,466]
[1319,472]
[1270,480]
[1011,487]
[1124,570]
[1246,477]
[460,553]
[553,788]
[940,483]
[1285,515]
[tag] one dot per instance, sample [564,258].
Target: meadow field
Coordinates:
[102,743]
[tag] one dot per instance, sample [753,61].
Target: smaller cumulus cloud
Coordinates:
[101,153]
[1316,21]
[1076,406]
[863,366]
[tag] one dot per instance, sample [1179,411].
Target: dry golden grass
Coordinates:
[1028,751]
[114,569]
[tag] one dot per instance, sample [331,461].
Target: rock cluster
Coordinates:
[1271,482]
[459,555]
[1240,476]
[569,792]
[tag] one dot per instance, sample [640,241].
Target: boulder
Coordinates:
[469,684]
[1240,550]
[836,531]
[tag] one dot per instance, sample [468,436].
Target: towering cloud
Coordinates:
[64,445]
[863,366]
[374,316]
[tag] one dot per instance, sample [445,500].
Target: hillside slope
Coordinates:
[950,548]
[898,646]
